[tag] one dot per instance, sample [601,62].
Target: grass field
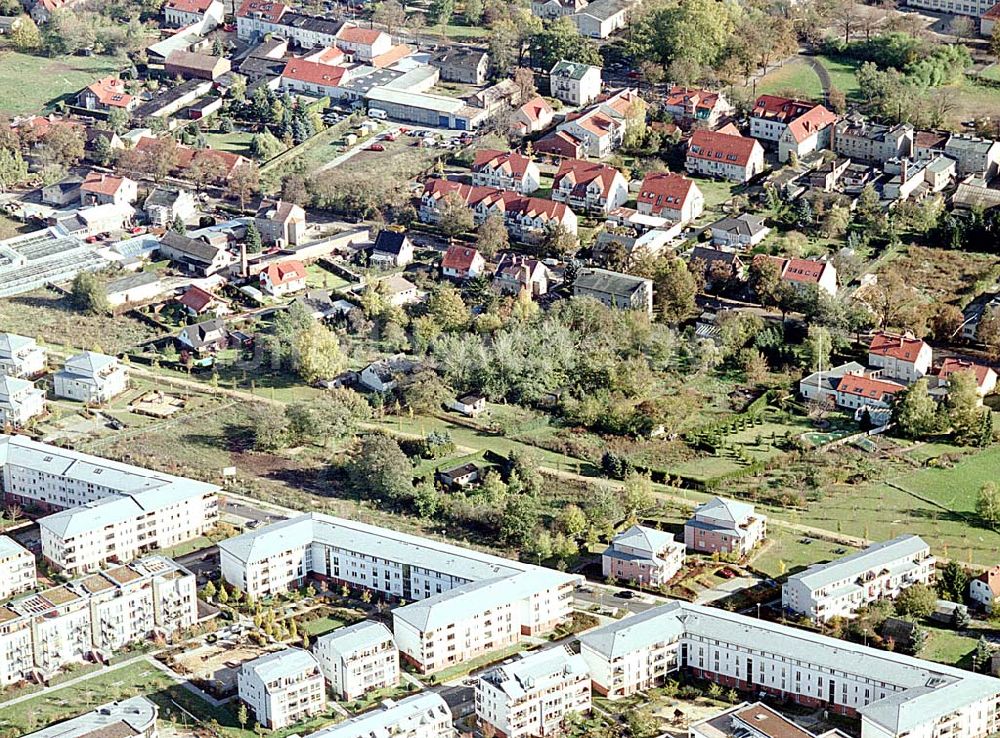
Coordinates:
[948,647]
[319,626]
[237,142]
[992,72]
[842,75]
[942,278]
[320,278]
[51,79]
[43,710]
[795,77]
[50,315]
[955,488]
[787,553]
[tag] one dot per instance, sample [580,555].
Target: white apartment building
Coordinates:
[135,717]
[574,83]
[91,618]
[894,695]
[904,358]
[17,568]
[20,356]
[533,694]
[90,377]
[648,556]
[483,602]
[974,8]
[841,587]
[423,715]
[108,511]
[282,688]
[20,401]
[358,659]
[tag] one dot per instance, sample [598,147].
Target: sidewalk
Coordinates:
[74,680]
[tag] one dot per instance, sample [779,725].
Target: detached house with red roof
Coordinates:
[590,186]
[601,128]
[902,357]
[505,171]
[98,188]
[314,77]
[985,588]
[724,155]
[363,44]
[533,116]
[795,125]
[687,106]
[105,95]
[462,262]
[283,278]
[800,273]
[183,13]
[986,377]
[671,196]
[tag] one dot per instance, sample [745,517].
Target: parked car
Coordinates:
[376,147]
[727,573]
[625,594]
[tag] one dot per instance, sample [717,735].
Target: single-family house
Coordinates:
[20,401]
[533,116]
[687,105]
[902,357]
[508,170]
[465,65]
[90,377]
[463,475]
[194,255]
[671,196]
[392,249]
[800,273]
[615,289]
[985,588]
[809,132]
[364,44]
[106,94]
[383,375]
[720,266]
[601,18]
[516,272]
[197,302]
[574,83]
[398,290]
[771,115]
[471,405]
[204,337]
[462,262]
[283,278]
[280,222]
[724,155]
[985,376]
[99,188]
[743,231]
[860,392]
[165,204]
[313,77]
[591,186]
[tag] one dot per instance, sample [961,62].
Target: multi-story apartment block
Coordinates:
[615,289]
[904,358]
[724,153]
[20,356]
[282,688]
[464,603]
[975,155]
[671,196]
[574,83]
[134,717]
[533,694]
[648,556]
[590,186]
[423,715]
[974,8]
[725,526]
[91,618]
[506,171]
[358,659]
[109,511]
[839,588]
[20,401]
[873,143]
[771,115]
[90,377]
[894,695]
[17,568]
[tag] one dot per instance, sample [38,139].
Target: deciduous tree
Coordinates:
[316,353]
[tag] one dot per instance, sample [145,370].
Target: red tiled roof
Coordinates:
[510,202]
[534,108]
[682,97]
[559,143]
[510,162]
[325,75]
[195,298]
[581,173]
[780,109]
[803,270]
[111,91]
[102,184]
[188,6]
[810,122]
[392,56]
[459,258]
[269,11]
[285,271]
[328,55]
[717,146]
[356,35]
[992,14]
[905,347]
[954,364]
[662,190]
[868,387]
[598,123]
[991,577]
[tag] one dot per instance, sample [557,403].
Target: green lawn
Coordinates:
[237,142]
[786,553]
[716,193]
[992,72]
[955,488]
[494,657]
[796,78]
[321,626]
[948,647]
[458,32]
[43,710]
[842,75]
[50,79]
[320,278]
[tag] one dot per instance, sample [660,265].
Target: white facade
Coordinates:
[510,171]
[109,512]
[17,568]
[903,358]
[983,589]
[483,602]
[894,695]
[423,715]
[839,588]
[90,377]
[358,659]
[533,694]
[575,84]
[94,617]
[282,688]
[20,401]
[20,356]
[135,716]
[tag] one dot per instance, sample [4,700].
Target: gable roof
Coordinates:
[196,299]
[316,73]
[102,184]
[208,331]
[662,190]
[991,578]
[813,120]
[191,247]
[861,385]
[269,11]
[724,147]
[511,163]
[459,258]
[283,272]
[745,224]
[188,6]
[391,242]
[581,173]
[110,91]
[535,107]
[697,99]
[954,364]
[905,347]
[358,35]
[780,109]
